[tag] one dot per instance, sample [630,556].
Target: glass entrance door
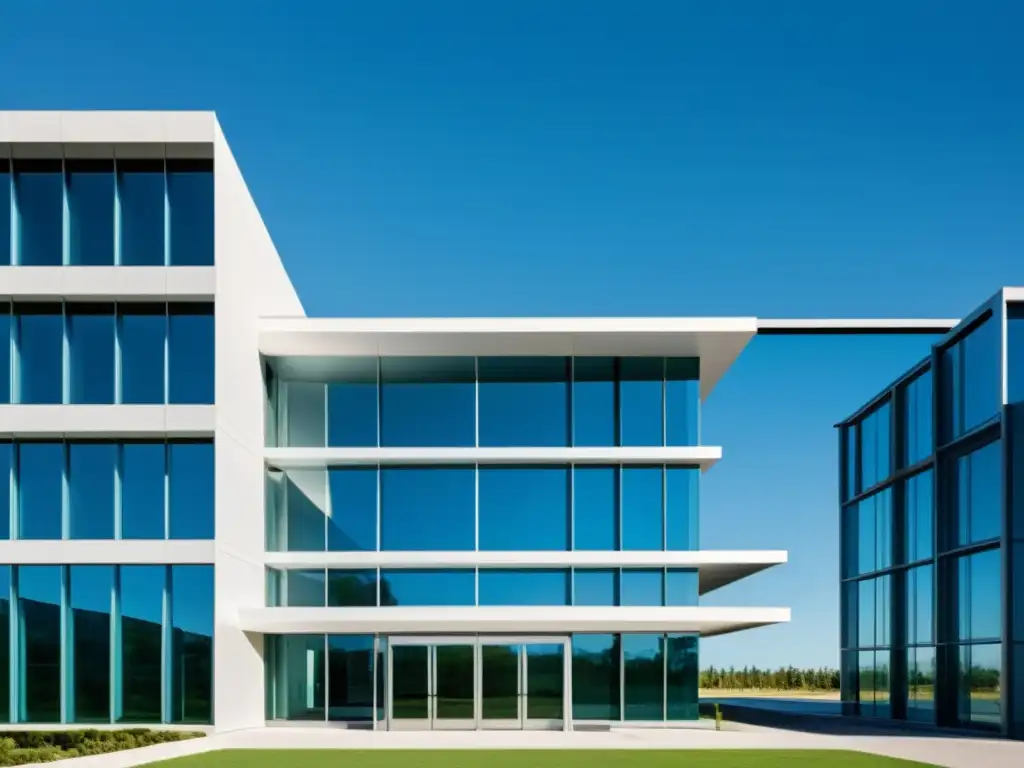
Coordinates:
[522,686]
[432,686]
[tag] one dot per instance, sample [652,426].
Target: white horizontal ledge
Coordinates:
[120,552]
[110,127]
[108,283]
[507,619]
[703,456]
[107,421]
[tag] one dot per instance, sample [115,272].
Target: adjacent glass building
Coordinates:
[933,534]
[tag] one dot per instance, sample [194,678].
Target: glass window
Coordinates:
[191,490]
[428,401]
[91,208]
[6,481]
[5,641]
[352,589]
[921,685]
[427,588]
[297,666]
[142,337]
[917,419]
[92,477]
[682,674]
[850,488]
[883,528]
[643,587]
[524,401]
[682,401]
[305,588]
[141,628]
[1014,346]
[352,524]
[595,587]
[595,498]
[866,682]
[192,593]
[428,508]
[40,490]
[39,606]
[143,470]
[641,400]
[682,508]
[350,677]
[867,550]
[919,606]
[352,403]
[304,410]
[305,510]
[883,608]
[5,233]
[594,417]
[979,596]
[92,592]
[919,517]
[642,520]
[644,674]
[596,677]
[190,210]
[6,326]
[140,191]
[91,353]
[524,508]
[866,613]
[40,353]
[39,197]
[971,381]
[682,586]
[875,450]
[979,685]
[190,355]
[979,495]
[524,587]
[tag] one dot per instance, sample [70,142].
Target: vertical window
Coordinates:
[192,593]
[919,517]
[352,525]
[40,353]
[91,346]
[428,401]
[304,404]
[524,508]
[595,587]
[642,519]
[92,469]
[921,685]
[305,510]
[641,400]
[643,587]
[979,596]
[5,642]
[142,337]
[352,411]
[866,613]
[191,490]
[682,508]
[643,661]
[92,590]
[6,326]
[594,411]
[682,674]
[141,636]
[6,480]
[91,207]
[978,496]
[5,219]
[140,190]
[428,509]
[143,473]
[190,355]
[971,381]
[40,490]
[867,549]
[190,208]
[919,606]
[875,450]
[883,528]
[39,198]
[682,586]
[299,677]
[682,401]
[595,508]
[596,677]
[917,419]
[350,681]
[39,630]
[524,401]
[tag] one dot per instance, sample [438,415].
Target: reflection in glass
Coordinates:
[6,466]
[92,469]
[352,403]
[919,517]
[642,521]
[545,681]
[643,587]
[921,685]
[92,591]
[299,683]
[40,490]
[192,598]
[454,677]
[523,401]
[682,508]
[595,587]
[428,401]
[142,340]
[428,509]
[91,353]
[190,354]
[350,677]
[90,191]
[304,509]
[596,677]
[978,486]
[883,609]
[190,211]
[875,459]
[40,350]
[429,588]
[352,588]
[919,605]
[595,498]
[850,488]
[866,613]
[979,596]
[140,190]
[39,200]
[866,682]
[39,608]
[918,419]
[305,588]
[191,489]
[682,401]
[5,248]
[410,692]
[682,586]
[641,400]
[682,674]
[141,634]
[499,682]
[644,669]
[524,508]
[5,639]
[594,417]
[524,587]
[971,380]
[978,688]
[143,468]
[6,328]
[352,524]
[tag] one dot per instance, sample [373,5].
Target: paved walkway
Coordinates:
[943,751]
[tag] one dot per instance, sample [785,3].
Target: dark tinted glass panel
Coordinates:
[305,588]
[91,353]
[92,591]
[682,401]
[428,401]
[883,610]
[142,338]
[141,196]
[866,613]
[971,381]
[682,508]
[875,448]
[641,400]
[352,589]
[299,674]
[644,673]
[596,677]
[643,587]
[92,469]
[594,416]
[190,356]
[921,685]
[430,508]
[352,410]
[40,492]
[979,683]
[524,401]
[919,516]
[642,521]
[595,587]
[191,643]
[143,468]
[190,210]
[39,601]
[411,588]
[682,586]
[191,490]
[595,499]
[978,495]
[91,208]
[850,488]
[524,508]
[524,587]
[5,639]
[352,525]
[681,677]
[917,420]
[6,328]
[39,196]
[883,528]
[5,236]
[979,596]
[6,479]
[141,624]
[350,677]
[919,605]
[40,353]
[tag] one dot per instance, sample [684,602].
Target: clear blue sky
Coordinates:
[596,158]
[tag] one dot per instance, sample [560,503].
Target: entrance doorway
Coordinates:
[468,683]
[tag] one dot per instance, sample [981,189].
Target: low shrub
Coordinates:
[25,747]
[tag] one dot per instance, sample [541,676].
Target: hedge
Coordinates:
[25,747]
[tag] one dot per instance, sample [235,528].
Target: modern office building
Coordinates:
[933,534]
[222,512]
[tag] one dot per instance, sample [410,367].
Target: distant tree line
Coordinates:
[781,679]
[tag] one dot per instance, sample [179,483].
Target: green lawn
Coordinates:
[531,758]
